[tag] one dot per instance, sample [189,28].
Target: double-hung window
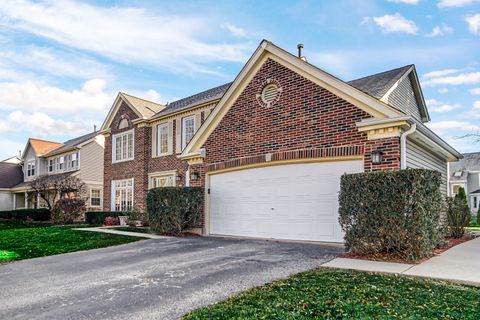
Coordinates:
[74,161]
[122,191]
[162,139]
[162,180]
[188,130]
[31,169]
[61,163]
[122,146]
[95,198]
[51,167]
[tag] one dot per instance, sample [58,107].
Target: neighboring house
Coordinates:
[11,174]
[466,174]
[15,160]
[270,147]
[81,157]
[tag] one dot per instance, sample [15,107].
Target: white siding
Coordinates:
[6,200]
[91,160]
[403,98]
[420,158]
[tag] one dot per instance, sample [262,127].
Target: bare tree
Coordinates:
[50,187]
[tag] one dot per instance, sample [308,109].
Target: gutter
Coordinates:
[403,145]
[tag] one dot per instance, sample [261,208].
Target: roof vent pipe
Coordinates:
[300,52]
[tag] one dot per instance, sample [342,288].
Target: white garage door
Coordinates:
[296,202]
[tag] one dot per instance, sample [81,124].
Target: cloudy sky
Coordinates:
[62,62]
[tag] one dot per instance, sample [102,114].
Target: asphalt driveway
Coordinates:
[150,279]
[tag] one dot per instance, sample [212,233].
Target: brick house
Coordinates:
[269,148]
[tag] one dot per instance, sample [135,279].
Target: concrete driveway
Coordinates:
[150,279]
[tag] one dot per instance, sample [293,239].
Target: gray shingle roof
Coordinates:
[470,162]
[196,99]
[378,84]
[72,143]
[11,174]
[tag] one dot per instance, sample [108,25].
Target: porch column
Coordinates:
[26,200]
[38,200]
[14,200]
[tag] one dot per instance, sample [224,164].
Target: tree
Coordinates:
[50,187]
[461,195]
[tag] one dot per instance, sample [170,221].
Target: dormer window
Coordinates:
[31,169]
[458,174]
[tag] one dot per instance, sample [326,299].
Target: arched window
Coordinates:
[123,123]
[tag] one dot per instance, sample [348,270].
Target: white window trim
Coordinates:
[162,125]
[161,174]
[112,193]
[100,191]
[114,146]
[184,144]
[29,165]
[53,165]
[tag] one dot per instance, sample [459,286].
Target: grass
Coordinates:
[338,294]
[133,229]
[19,240]
[474,226]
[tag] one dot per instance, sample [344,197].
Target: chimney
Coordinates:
[300,52]
[94,128]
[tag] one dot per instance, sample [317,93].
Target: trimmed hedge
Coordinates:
[392,212]
[98,217]
[40,214]
[173,210]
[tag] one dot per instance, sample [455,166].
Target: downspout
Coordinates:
[403,145]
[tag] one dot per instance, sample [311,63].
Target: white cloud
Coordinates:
[10,148]
[473,22]
[475,91]
[459,79]
[440,107]
[443,90]
[30,96]
[236,31]
[440,31]
[440,73]
[454,3]
[405,1]
[476,105]
[152,95]
[441,126]
[395,23]
[124,34]
[42,125]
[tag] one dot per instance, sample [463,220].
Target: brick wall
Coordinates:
[306,117]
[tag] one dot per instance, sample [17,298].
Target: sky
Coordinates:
[63,62]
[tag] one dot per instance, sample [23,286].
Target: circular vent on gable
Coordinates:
[270,93]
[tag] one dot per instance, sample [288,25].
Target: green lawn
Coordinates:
[19,240]
[335,294]
[132,229]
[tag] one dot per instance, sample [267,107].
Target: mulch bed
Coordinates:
[389,257]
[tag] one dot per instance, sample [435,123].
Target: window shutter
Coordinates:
[178,135]
[170,137]
[154,140]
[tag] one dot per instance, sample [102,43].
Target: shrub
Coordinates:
[458,216]
[172,210]
[135,216]
[111,221]
[68,210]
[391,212]
[478,217]
[40,214]
[98,217]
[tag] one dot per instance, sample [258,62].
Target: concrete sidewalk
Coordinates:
[459,264]
[123,233]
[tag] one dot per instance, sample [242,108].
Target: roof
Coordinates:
[42,147]
[378,84]
[73,143]
[11,174]
[194,100]
[470,162]
[145,107]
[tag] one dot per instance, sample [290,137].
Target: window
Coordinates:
[455,188]
[73,160]
[162,139]
[123,124]
[188,130]
[475,202]
[61,163]
[31,169]
[95,198]
[122,192]
[51,165]
[163,180]
[123,146]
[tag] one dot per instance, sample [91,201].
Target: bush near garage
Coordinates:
[41,214]
[97,218]
[174,210]
[395,213]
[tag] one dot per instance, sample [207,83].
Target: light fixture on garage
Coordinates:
[178,177]
[194,176]
[377,157]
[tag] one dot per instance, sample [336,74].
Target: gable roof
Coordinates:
[11,174]
[72,143]
[42,147]
[144,109]
[378,84]
[194,100]
[265,50]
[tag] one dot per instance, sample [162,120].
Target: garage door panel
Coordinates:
[298,202]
